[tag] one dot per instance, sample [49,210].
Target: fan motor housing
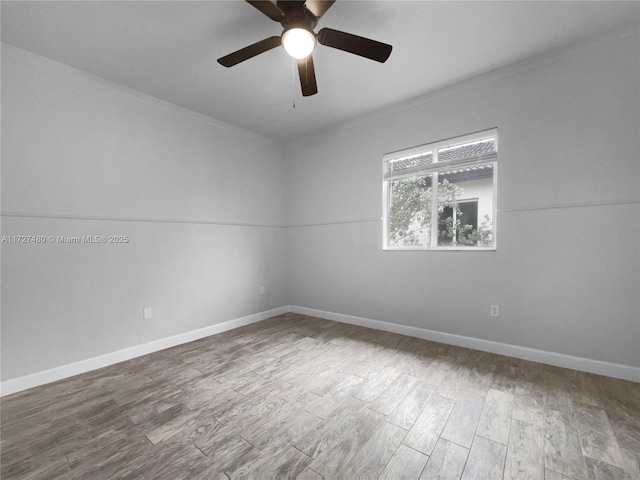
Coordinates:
[296,16]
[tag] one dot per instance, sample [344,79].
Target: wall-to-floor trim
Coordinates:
[625,372]
[19,384]
[615,370]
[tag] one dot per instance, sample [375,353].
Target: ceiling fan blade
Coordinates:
[268,8]
[307,76]
[318,8]
[348,42]
[248,52]
[290,5]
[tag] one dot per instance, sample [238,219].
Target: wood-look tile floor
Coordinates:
[300,397]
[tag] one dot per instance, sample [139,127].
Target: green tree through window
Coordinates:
[461,173]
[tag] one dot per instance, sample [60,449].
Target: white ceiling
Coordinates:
[168,49]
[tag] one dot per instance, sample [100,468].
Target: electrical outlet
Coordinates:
[494,311]
[261,290]
[146,313]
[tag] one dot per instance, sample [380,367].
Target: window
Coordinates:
[454,223]
[442,196]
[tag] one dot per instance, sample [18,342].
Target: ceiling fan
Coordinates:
[298,19]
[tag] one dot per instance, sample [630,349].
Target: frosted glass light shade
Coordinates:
[298,42]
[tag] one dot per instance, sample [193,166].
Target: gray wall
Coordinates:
[202,205]
[566,271]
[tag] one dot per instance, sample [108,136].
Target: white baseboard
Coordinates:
[615,370]
[19,384]
[625,372]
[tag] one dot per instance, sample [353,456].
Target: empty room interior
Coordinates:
[322,239]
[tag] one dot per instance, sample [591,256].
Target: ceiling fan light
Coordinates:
[298,42]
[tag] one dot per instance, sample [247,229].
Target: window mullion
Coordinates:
[434,203]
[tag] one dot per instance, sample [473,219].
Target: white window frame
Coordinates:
[433,169]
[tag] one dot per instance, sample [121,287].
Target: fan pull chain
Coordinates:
[293,82]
